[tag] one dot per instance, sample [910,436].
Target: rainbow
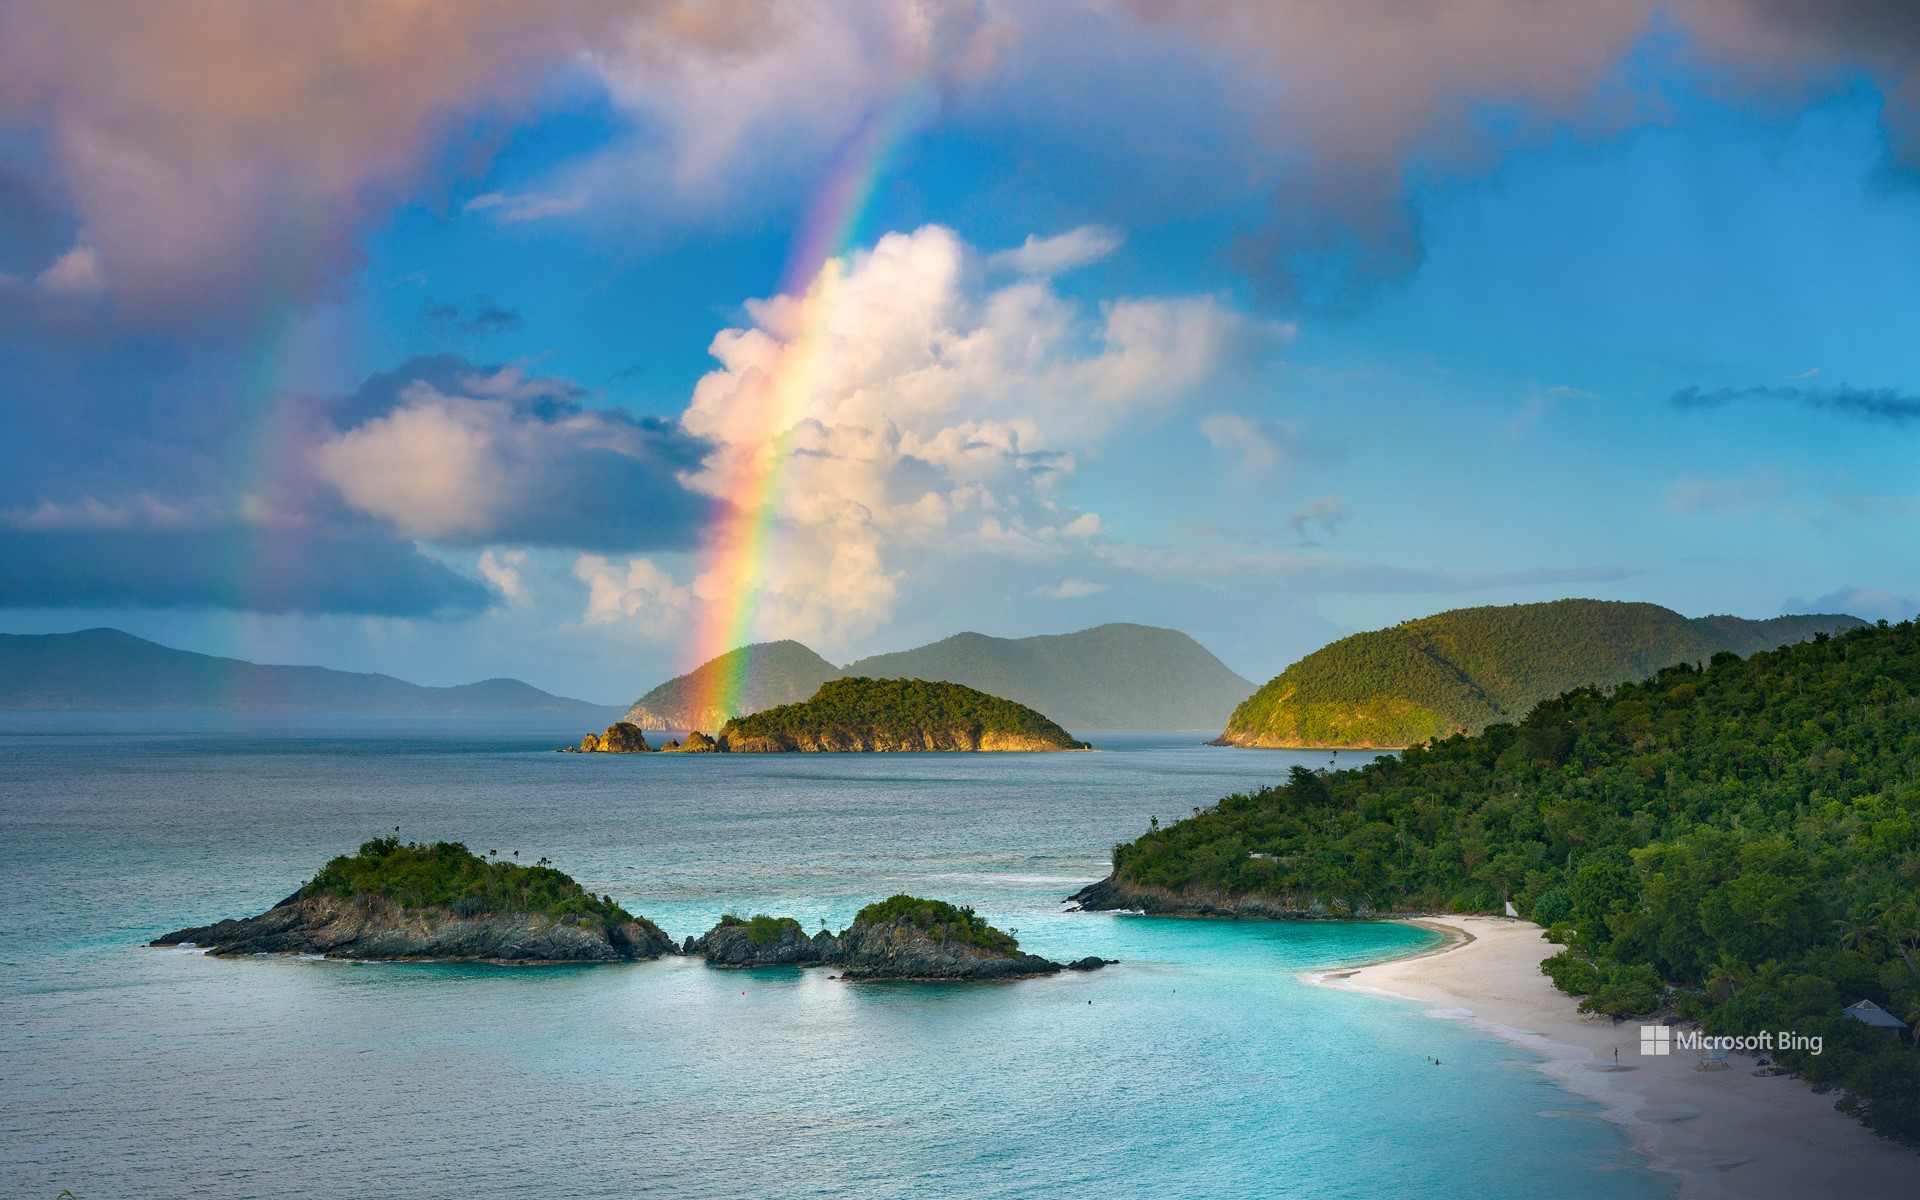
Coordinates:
[741,542]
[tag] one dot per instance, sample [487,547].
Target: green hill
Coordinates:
[108,669]
[1109,677]
[783,672]
[1739,845]
[895,714]
[1460,671]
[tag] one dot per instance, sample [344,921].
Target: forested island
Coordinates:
[440,902]
[895,714]
[901,937]
[1463,670]
[1737,844]
[866,715]
[395,901]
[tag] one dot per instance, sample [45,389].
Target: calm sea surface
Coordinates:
[1201,1066]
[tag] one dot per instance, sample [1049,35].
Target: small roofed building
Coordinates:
[1868,1013]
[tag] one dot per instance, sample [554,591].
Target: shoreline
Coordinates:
[1723,1133]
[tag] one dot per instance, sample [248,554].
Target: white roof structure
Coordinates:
[1872,1014]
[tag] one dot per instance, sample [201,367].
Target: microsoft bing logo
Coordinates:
[1656,1039]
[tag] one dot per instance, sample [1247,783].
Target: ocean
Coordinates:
[1203,1065]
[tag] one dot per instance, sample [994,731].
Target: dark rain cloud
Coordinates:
[1880,404]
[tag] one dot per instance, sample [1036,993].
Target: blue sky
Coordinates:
[1325,321]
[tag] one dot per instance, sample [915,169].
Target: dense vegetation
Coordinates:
[770,673]
[448,875]
[897,708]
[1461,671]
[942,921]
[1115,676]
[1741,843]
[763,930]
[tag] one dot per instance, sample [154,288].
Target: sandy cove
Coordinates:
[1720,1133]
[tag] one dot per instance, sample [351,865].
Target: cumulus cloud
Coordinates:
[511,458]
[907,403]
[1058,254]
[642,594]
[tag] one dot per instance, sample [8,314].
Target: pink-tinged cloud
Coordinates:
[225,152]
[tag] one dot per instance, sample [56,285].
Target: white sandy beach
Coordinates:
[1720,1133]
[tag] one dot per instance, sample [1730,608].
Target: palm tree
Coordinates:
[1727,977]
[1900,921]
[1860,931]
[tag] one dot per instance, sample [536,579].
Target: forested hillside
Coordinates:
[1460,671]
[1740,842]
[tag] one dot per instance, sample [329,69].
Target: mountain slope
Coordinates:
[777,673]
[108,669]
[1463,670]
[1116,676]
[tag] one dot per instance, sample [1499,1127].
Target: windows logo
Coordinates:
[1656,1039]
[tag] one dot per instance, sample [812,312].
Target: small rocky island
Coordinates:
[901,937]
[437,902]
[856,715]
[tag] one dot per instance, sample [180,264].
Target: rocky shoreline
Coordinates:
[1112,895]
[374,928]
[898,949]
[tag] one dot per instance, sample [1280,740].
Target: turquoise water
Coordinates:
[1202,1066]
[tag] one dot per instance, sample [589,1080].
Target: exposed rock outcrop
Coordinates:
[696,743]
[930,942]
[372,927]
[621,737]
[901,949]
[1110,895]
[763,942]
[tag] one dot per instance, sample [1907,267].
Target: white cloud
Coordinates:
[75,273]
[910,406]
[1254,448]
[1051,256]
[643,595]
[1071,589]
[526,206]
[503,457]
[502,570]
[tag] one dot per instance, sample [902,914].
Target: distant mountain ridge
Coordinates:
[109,669]
[1117,676]
[1463,670]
